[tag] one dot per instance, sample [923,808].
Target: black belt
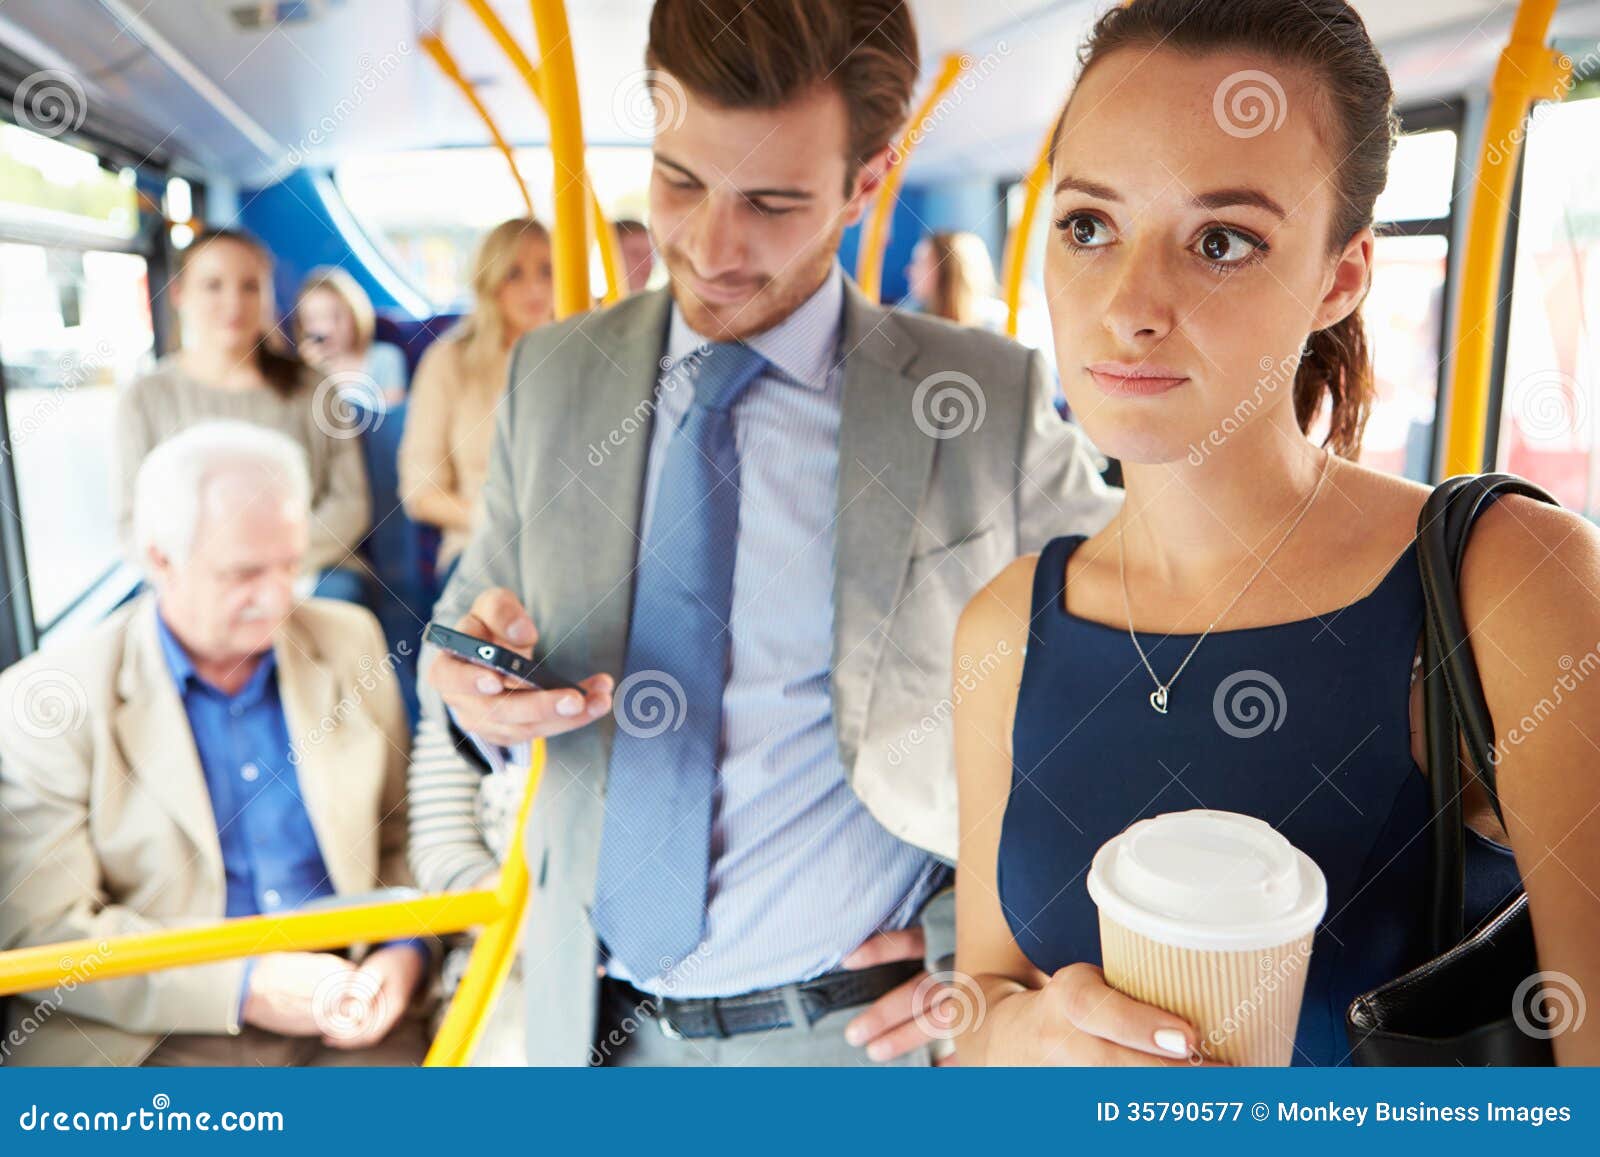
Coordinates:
[724,1016]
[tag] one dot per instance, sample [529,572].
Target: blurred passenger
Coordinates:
[951,276]
[334,324]
[229,367]
[444,453]
[233,751]
[461,825]
[638,252]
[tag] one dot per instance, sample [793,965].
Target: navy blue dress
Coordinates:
[1303,724]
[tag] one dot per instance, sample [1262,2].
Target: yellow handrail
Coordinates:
[605,236]
[435,48]
[496,948]
[1016,256]
[869,259]
[1528,71]
[559,77]
[26,969]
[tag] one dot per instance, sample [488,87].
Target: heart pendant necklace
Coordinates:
[1159,697]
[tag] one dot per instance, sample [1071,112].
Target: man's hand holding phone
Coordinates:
[502,709]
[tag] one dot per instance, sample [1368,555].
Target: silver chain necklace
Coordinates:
[1158,697]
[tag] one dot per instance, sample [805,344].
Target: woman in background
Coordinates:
[228,366]
[334,324]
[951,276]
[444,454]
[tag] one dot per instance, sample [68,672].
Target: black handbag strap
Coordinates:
[1455,712]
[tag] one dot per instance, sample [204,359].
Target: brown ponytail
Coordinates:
[1356,118]
[1337,366]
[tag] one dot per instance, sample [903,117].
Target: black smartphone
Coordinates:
[501,660]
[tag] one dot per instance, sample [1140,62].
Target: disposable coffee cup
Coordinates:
[1210,915]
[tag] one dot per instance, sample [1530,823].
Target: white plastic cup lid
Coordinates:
[1211,880]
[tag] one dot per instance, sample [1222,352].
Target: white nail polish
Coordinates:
[1170,1040]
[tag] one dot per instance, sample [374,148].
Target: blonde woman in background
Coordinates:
[334,328]
[228,367]
[444,453]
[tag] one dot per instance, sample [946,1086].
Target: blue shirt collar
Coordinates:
[802,347]
[182,669]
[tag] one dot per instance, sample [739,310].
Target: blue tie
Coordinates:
[655,849]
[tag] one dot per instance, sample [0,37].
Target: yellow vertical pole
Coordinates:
[605,236]
[560,82]
[435,48]
[497,942]
[1528,71]
[869,260]
[1016,256]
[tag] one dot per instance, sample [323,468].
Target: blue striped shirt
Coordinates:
[801,872]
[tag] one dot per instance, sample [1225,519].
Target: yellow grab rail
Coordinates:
[1015,261]
[497,944]
[26,969]
[1528,71]
[559,79]
[441,56]
[605,236]
[869,259]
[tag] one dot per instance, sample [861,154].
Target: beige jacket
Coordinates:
[167,401]
[444,452]
[106,824]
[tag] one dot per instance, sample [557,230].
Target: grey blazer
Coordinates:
[952,462]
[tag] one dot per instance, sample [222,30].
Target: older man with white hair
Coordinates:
[217,748]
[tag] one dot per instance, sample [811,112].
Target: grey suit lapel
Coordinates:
[884,462]
[606,457]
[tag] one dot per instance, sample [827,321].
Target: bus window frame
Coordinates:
[20,631]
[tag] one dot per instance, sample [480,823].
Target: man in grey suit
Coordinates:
[749,509]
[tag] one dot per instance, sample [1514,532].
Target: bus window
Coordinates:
[428,209]
[1403,311]
[1550,406]
[74,323]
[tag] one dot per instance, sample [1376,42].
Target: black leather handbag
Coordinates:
[1458,1008]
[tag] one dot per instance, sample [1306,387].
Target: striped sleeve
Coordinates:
[447,848]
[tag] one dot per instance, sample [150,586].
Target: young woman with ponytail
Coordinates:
[232,364]
[1242,635]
